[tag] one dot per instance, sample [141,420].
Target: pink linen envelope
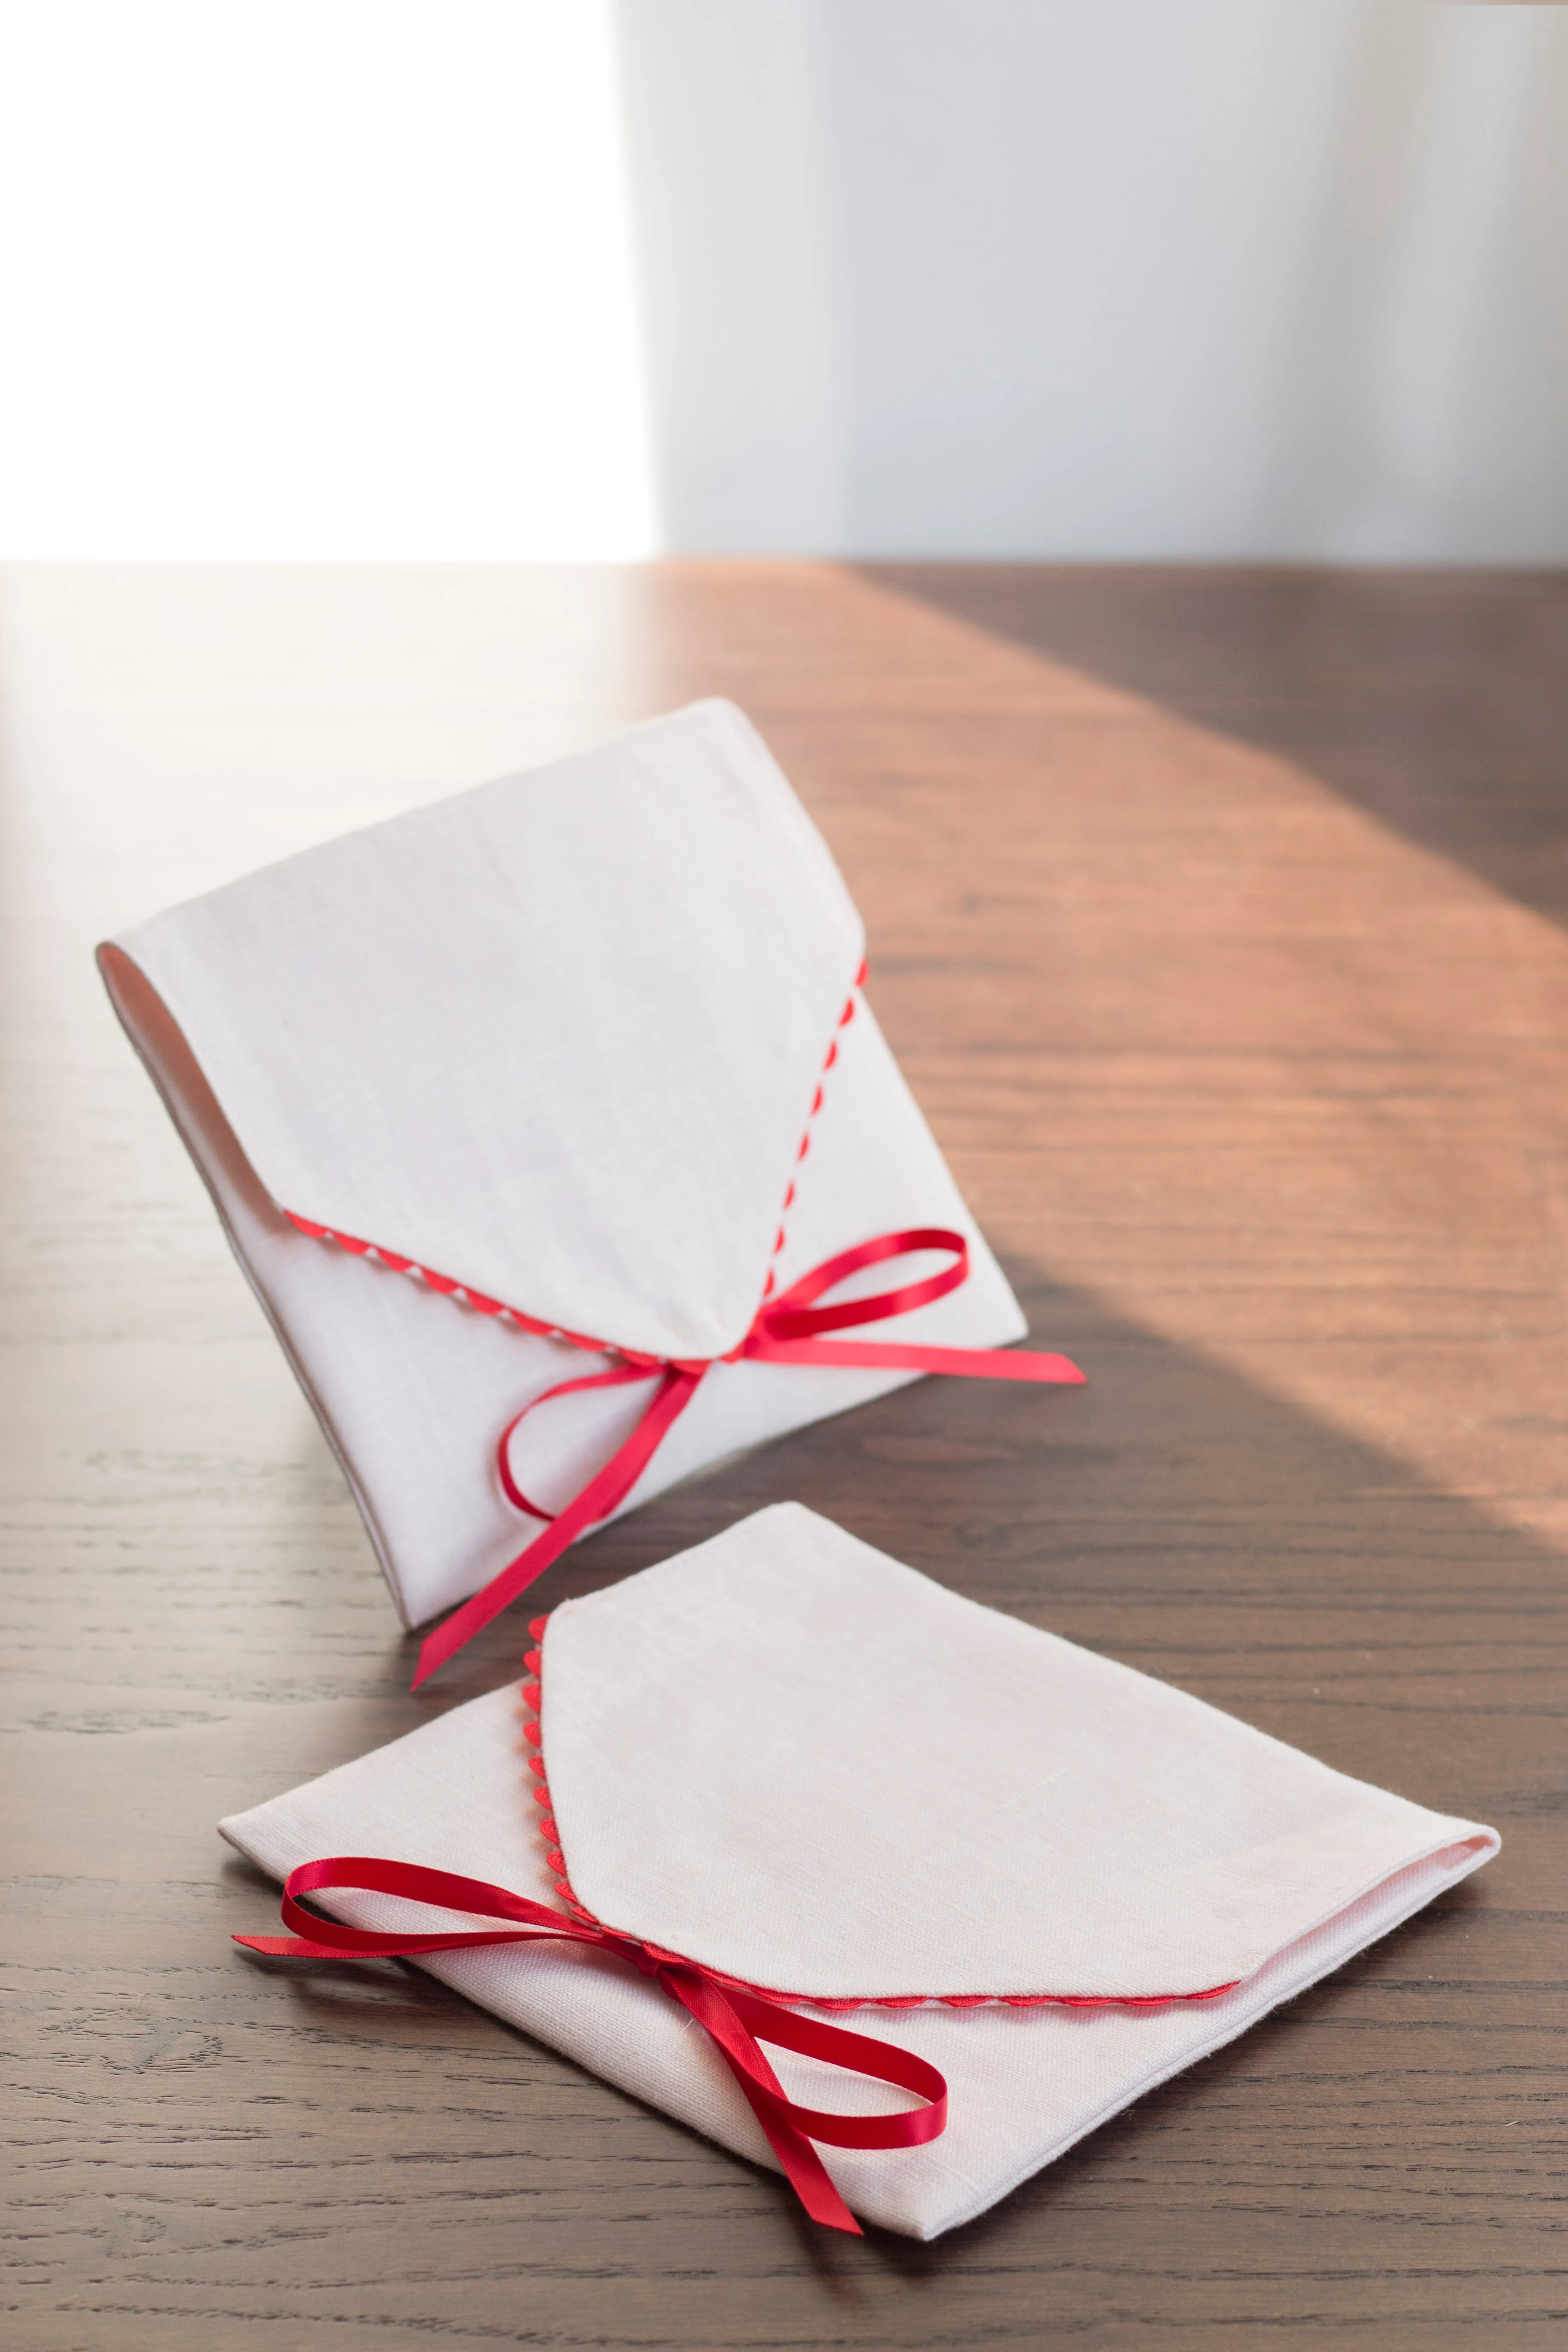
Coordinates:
[554,1047]
[807,1769]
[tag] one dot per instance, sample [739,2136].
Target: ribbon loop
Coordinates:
[738,2022]
[603,1493]
[794,1315]
[619,1377]
[787,1330]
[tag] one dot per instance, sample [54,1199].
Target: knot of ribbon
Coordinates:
[787,1330]
[737,2020]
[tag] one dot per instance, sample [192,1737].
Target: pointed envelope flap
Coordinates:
[556,1039]
[789,1757]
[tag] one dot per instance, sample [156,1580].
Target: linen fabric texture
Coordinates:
[790,1759]
[556,1040]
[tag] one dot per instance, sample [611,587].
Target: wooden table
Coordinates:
[1218,920]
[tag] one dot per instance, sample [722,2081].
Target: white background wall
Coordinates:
[316,277]
[520,278]
[1105,278]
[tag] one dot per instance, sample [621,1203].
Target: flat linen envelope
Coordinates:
[556,1046]
[809,1770]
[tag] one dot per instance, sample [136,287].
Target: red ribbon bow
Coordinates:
[737,2020]
[786,1331]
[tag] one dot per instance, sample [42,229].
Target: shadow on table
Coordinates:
[1436,701]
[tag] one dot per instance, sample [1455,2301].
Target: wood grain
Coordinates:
[1218,921]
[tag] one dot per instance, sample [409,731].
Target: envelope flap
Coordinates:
[556,1038]
[789,1757]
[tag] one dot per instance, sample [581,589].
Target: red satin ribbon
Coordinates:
[786,1331]
[738,2022]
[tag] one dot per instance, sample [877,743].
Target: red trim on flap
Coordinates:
[549,1829]
[451,1289]
[844,1020]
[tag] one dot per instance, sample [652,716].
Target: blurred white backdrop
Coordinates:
[316,279]
[1106,277]
[518,279]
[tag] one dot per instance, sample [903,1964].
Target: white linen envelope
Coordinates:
[558,1041]
[787,1758]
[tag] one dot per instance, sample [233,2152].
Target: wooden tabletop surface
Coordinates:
[1218,920]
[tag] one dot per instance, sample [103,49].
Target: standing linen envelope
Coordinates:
[786,1764]
[549,1057]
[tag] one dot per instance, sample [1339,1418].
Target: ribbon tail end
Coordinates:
[802,2165]
[457,1631]
[812,2184]
[1035,1364]
[291,1948]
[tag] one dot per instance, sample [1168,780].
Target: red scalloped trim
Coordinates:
[533,1732]
[451,1289]
[843,1022]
